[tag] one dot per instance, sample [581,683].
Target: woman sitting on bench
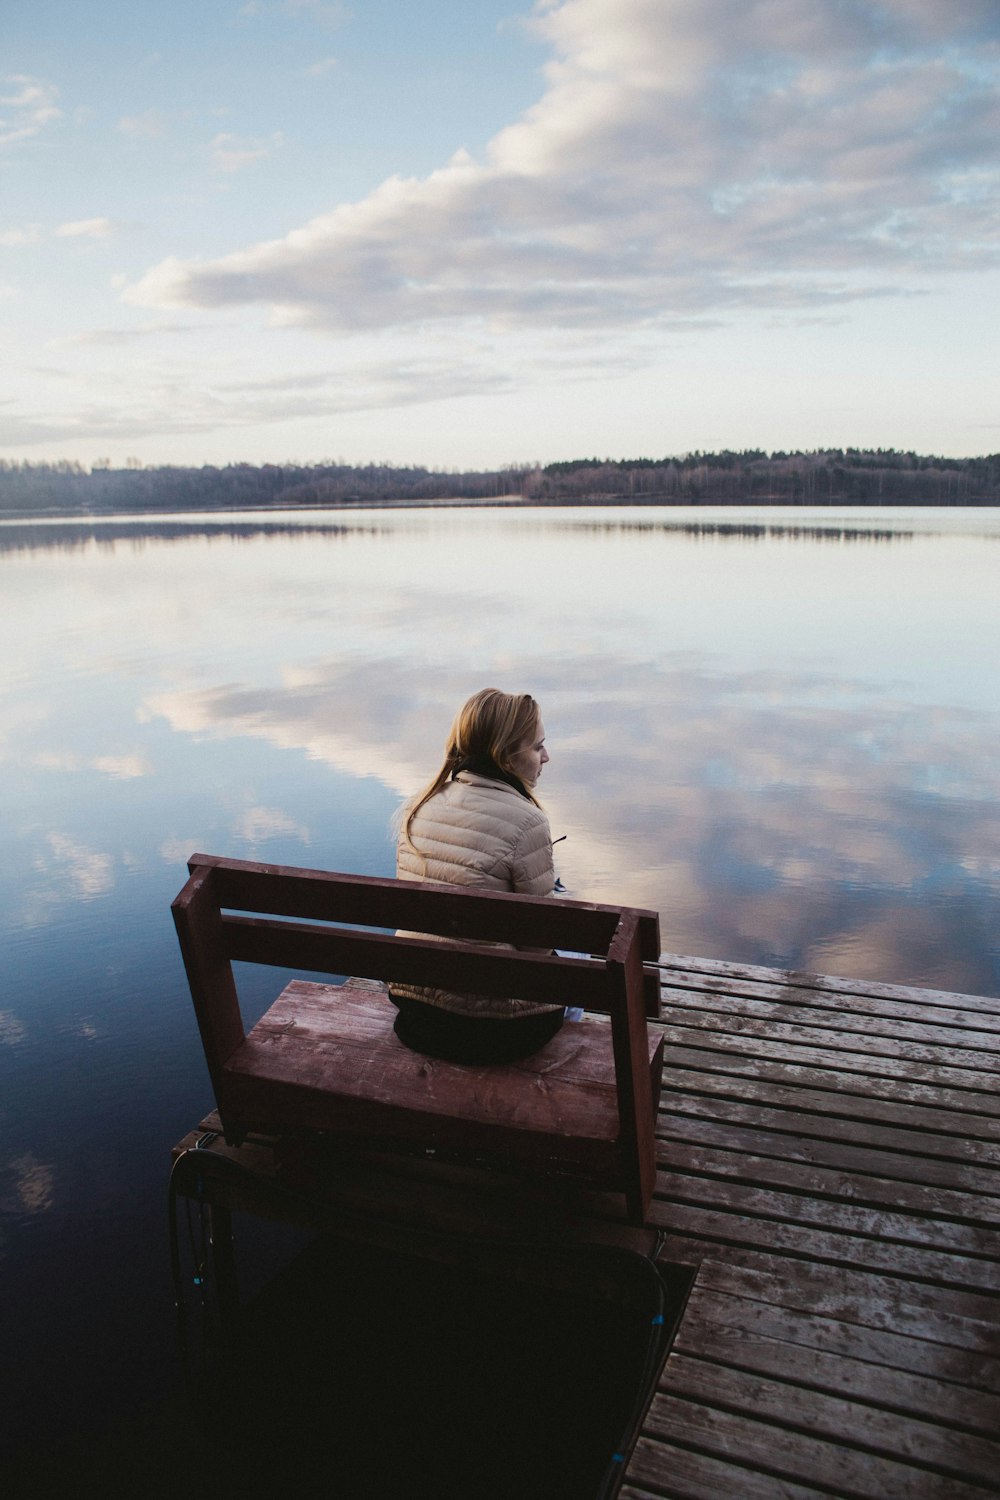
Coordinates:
[478,823]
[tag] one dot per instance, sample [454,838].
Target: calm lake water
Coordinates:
[781,728]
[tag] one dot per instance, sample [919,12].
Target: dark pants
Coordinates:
[472,1039]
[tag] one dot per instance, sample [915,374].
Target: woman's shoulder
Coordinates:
[513,806]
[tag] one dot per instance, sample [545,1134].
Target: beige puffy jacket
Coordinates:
[483,833]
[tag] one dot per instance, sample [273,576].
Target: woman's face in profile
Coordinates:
[530,756]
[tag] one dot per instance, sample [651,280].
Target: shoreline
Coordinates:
[501,502]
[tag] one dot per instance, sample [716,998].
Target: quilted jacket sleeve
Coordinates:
[532,872]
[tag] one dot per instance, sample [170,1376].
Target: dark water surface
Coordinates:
[778,727]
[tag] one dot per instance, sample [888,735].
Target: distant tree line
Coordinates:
[834,476]
[850,476]
[68,486]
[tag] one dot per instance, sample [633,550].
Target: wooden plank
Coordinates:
[790,1404]
[422,906]
[306,1008]
[863,1299]
[917,1023]
[836,1170]
[319,1014]
[707,1098]
[843,1471]
[360,1019]
[542,978]
[884,1370]
[283,1085]
[926,1007]
[676,963]
[975,1376]
[957,1066]
[682,1474]
[959,1316]
[876,1212]
[826,1071]
[881,1223]
[727,1234]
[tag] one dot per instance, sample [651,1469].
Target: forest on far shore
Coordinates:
[850,476]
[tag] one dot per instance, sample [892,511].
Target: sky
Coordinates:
[467,233]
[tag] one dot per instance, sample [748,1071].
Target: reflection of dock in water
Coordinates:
[828,1157]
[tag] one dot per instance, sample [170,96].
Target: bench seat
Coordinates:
[325,1057]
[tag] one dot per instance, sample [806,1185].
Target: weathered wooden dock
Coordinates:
[829,1153]
[828,1158]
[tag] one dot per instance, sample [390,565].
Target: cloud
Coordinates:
[686,157]
[317,69]
[231,153]
[56,760]
[26,106]
[86,229]
[199,404]
[122,767]
[29,234]
[113,337]
[16,430]
[151,124]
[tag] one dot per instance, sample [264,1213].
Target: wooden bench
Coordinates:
[325,1058]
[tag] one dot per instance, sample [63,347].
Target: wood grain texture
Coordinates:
[830,1152]
[325,1058]
[720,974]
[790,1454]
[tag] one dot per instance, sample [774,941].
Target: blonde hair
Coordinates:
[491,726]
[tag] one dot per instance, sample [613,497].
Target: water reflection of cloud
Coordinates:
[257,824]
[359,716]
[88,872]
[815,850]
[12,1031]
[27,1185]
[127,767]
[177,851]
[22,717]
[771,817]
